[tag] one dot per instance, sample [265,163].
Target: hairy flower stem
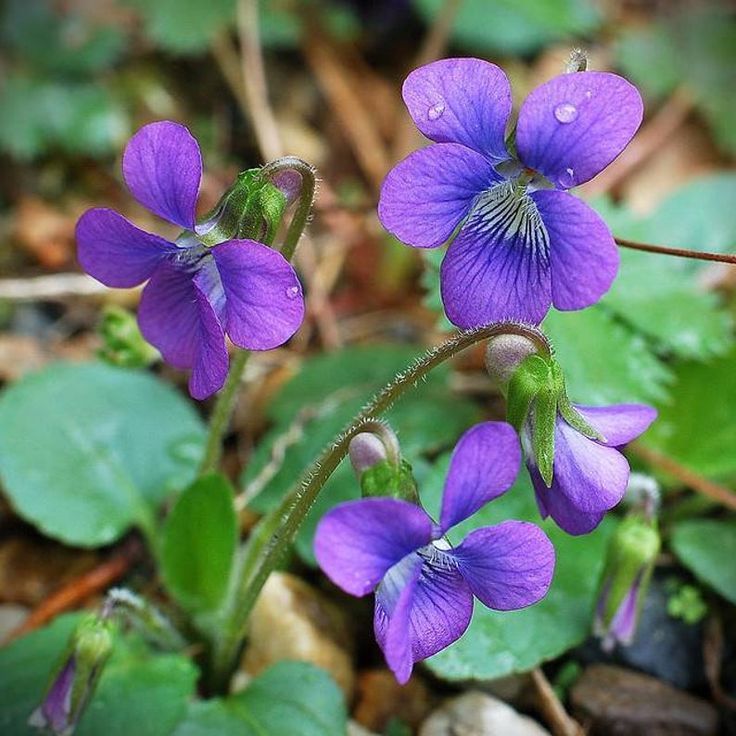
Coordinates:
[225,404]
[277,530]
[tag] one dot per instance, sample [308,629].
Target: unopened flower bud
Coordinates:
[631,555]
[76,678]
[504,354]
[376,458]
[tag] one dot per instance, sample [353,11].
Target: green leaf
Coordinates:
[315,405]
[289,698]
[502,643]
[604,361]
[707,547]
[137,687]
[199,540]
[185,26]
[696,48]
[661,297]
[697,428]
[515,26]
[59,41]
[37,115]
[88,450]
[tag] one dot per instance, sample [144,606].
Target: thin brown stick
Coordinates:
[226,55]
[554,712]
[77,591]
[696,255]
[714,491]
[56,286]
[254,81]
[432,48]
[649,139]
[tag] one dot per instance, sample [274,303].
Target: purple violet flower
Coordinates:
[522,241]
[424,587]
[195,294]
[590,477]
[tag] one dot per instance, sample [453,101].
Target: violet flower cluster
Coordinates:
[520,241]
[424,587]
[590,476]
[196,295]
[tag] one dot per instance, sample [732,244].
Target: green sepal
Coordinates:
[252,208]
[89,648]
[543,431]
[576,421]
[632,552]
[532,375]
[386,479]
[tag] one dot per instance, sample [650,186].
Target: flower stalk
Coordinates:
[276,531]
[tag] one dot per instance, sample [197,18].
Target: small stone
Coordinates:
[293,621]
[380,698]
[355,729]
[612,701]
[11,617]
[478,714]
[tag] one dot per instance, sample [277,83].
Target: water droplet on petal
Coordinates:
[588,94]
[435,112]
[566,113]
[567,178]
[292,292]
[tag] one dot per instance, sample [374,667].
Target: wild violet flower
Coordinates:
[523,242]
[424,587]
[589,476]
[195,294]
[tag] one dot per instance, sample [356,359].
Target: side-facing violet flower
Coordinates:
[424,587]
[196,295]
[521,241]
[589,475]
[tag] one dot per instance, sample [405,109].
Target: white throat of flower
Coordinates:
[507,211]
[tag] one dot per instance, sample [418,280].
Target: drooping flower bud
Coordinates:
[75,678]
[504,354]
[376,458]
[631,555]
[252,208]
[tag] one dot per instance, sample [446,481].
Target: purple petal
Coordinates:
[582,252]
[425,196]
[507,566]
[464,101]
[264,305]
[496,271]
[623,624]
[162,167]
[176,316]
[620,423]
[392,617]
[115,252]
[589,479]
[573,126]
[427,606]
[358,541]
[55,711]
[484,465]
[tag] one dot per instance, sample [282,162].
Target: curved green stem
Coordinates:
[307,192]
[222,412]
[277,530]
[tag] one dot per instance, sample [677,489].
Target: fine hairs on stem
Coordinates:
[277,530]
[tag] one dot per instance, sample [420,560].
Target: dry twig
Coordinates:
[554,712]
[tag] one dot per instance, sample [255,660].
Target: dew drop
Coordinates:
[292,292]
[566,113]
[567,178]
[588,94]
[435,112]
